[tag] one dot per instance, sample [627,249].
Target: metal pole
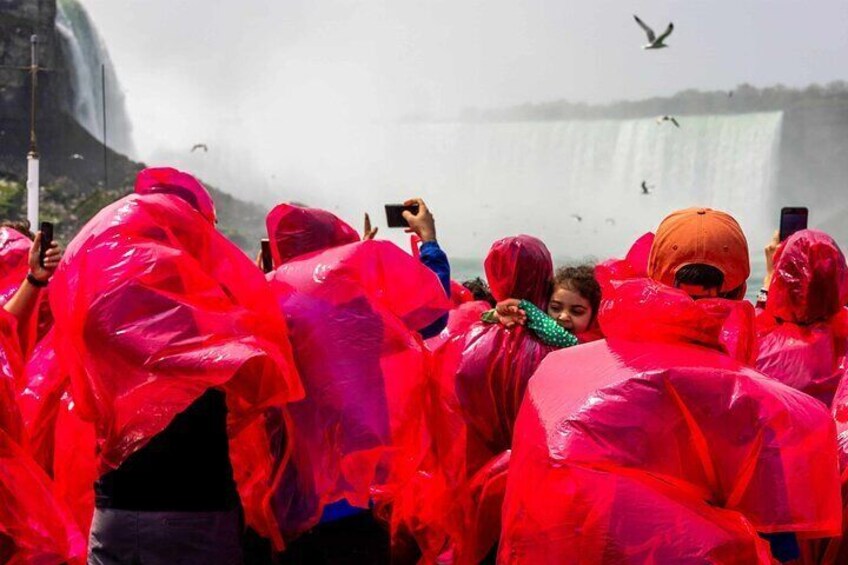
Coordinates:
[105,148]
[32,156]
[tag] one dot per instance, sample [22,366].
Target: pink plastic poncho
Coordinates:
[295,231]
[35,526]
[459,294]
[660,445]
[154,306]
[14,261]
[11,365]
[497,362]
[460,320]
[479,381]
[14,265]
[803,331]
[353,313]
[60,441]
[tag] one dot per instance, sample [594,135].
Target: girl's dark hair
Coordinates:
[581,279]
[480,290]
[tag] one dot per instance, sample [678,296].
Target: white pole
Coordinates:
[32,191]
[32,156]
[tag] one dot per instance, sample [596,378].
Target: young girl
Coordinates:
[572,309]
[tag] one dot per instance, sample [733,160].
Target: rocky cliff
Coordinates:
[77,178]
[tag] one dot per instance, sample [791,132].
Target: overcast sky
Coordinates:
[189,66]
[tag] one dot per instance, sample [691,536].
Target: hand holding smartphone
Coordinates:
[394,214]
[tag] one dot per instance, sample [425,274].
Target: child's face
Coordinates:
[570,310]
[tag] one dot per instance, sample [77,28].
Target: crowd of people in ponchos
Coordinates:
[164,400]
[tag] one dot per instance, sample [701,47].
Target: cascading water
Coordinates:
[575,184]
[85,52]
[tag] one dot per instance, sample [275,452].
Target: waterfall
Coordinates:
[84,53]
[486,181]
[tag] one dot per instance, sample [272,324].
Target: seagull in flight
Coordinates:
[610,221]
[654,41]
[645,188]
[197,146]
[77,157]
[577,217]
[671,119]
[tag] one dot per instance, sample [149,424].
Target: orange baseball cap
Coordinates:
[700,236]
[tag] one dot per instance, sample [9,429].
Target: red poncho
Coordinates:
[459,294]
[295,231]
[803,331]
[14,261]
[479,381]
[353,313]
[153,307]
[60,441]
[35,526]
[460,320]
[659,445]
[14,265]
[496,362]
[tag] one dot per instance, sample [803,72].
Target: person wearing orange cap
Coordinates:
[660,443]
[702,252]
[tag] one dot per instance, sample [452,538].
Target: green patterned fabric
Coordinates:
[538,322]
[546,328]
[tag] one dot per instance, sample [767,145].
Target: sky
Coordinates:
[258,80]
[187,66]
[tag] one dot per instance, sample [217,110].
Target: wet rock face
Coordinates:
[19,19]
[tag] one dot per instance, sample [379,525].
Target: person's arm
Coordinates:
[436,260]
[545,327]
[23,301]
[769,251]
[513,312]
[490,317]
[423,224]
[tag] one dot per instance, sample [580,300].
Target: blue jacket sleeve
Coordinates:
[436,260]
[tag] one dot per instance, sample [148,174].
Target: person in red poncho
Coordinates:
[478,384]
[802,330]
[659,443]
[175,350]
[354,309]
[35,525]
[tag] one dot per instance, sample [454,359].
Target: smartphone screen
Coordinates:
[792,220]
[394,215]
[46,230]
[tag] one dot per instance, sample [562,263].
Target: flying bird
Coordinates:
[610,221]
[577,217]
[645,188]
[671,119]
[197,146]
[654,41]
[77,157]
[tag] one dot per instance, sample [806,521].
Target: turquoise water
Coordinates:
[463,269]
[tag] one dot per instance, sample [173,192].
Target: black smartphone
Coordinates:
[46,230]
[394,214]
[267,263]
[792,220]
